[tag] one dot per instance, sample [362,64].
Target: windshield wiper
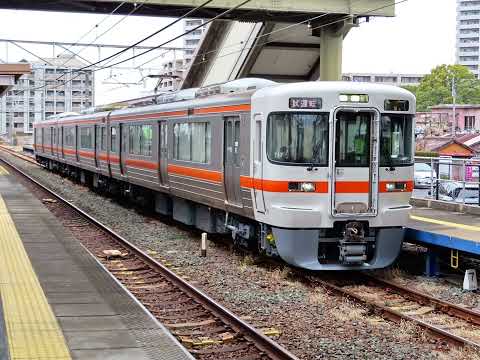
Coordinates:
[316,150]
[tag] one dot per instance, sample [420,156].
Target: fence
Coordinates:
[450,179]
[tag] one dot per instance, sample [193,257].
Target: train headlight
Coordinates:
[396,186]
[307,187]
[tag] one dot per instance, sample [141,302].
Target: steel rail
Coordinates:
[396,316]
[445,307]
[269,347]
[20,156]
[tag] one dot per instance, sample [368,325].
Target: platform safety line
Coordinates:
[32,328]
[3,171]
[446,223]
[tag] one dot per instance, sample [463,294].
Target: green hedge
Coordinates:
[426,153]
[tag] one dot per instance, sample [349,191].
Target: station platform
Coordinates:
[57,301]
[444,228]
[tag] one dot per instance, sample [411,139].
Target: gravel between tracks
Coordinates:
[313,324]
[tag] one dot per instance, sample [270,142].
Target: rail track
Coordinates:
[211,330]
[452,324]
[202,325]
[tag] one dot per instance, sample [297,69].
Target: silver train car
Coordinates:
[317,173]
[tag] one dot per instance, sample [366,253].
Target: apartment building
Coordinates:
[177,67]
[388,79]
[54,86]
[468,31]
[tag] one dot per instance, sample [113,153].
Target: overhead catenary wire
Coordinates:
[195,64]
[80,70]
[203,55]
[94,27]
[187,14]
[136,8]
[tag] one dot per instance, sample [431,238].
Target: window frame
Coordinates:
[207,141]
[381,163]
[89,130]
[306,164]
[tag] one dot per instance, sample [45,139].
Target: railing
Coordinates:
[462,174]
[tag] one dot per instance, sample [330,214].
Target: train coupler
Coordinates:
[353,248]
[352,252]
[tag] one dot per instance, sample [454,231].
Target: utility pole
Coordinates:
[454,96]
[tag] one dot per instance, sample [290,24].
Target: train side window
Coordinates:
[103,138]
[113,139]
[70,136]
[86,138]
[146,137]
[192,142]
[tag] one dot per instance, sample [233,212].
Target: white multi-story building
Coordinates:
[468,29]
[54,86]
[388,79]
[177,67]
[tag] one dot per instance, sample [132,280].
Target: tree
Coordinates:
[436,87]
[411,88]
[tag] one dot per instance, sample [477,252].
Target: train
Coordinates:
[318,173]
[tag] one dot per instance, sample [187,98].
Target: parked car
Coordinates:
[424,175]
[454,191]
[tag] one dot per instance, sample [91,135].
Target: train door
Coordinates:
[231,160]
[43,139]
[122,148]
[77,140]
[62,141]
[52,140]
[163,153]
[258,164]
[111,138]
[96,144]
[355,173]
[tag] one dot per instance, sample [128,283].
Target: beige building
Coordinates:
[54,86]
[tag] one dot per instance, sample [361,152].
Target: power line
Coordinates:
[152,35]
[110,28]
[80,70]
[181,35]
[71,44]
[285,37]
[97,25]
[215,18]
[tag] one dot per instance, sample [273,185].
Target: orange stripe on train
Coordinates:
[210,175]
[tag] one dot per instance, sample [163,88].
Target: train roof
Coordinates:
[334,87]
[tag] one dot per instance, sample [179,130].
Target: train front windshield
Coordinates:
[298,138]
[396,139]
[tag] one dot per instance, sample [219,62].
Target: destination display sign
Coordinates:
[305,103]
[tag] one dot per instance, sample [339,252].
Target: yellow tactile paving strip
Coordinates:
[446,223]
[32,329]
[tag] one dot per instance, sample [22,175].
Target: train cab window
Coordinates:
[396,140]
[113,139]
[192,142]
[296,138]
[103,138]
[86,138]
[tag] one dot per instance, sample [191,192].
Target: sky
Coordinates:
[420,37]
